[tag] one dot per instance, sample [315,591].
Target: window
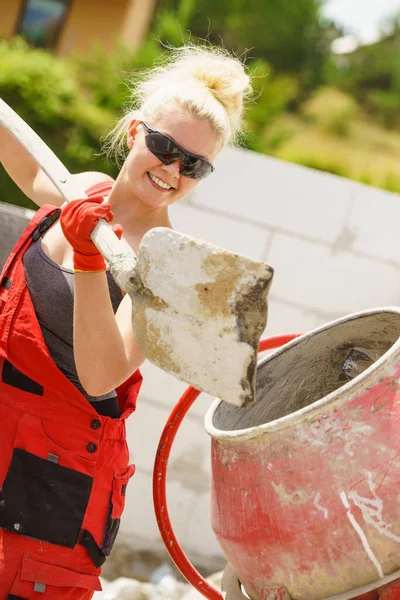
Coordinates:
[41,21]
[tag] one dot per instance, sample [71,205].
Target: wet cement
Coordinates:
[312,368]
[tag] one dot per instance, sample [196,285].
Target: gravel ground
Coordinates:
[163,587]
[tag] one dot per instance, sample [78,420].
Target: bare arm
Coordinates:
[28,176]
[101,335]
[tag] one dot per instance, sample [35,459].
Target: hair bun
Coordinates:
[220,73]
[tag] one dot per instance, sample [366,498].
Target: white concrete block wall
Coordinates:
[334,282]
[277,195]
[225,231]
[335,248]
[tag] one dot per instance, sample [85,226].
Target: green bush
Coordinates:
[45,92]
[274,136]
[39,86]
[272,96]
[171,26]
[391,182]
[325,165]
[102,75]
[313,161]
[331,110]
[385,106]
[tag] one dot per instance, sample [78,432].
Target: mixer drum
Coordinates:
[305,483]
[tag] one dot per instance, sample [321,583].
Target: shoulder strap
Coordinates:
[104,187]
[41,220]
[42,216]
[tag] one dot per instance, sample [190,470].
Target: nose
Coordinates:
[173,169]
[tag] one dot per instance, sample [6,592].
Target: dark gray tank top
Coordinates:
[52,291]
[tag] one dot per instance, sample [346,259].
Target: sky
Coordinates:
[361,17]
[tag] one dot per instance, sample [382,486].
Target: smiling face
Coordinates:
[152,182]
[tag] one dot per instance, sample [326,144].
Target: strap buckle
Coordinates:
[45,224]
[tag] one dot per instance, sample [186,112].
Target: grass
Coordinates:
[362,150]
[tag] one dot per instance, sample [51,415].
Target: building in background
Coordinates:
[63,26]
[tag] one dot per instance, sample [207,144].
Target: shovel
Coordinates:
[198,311]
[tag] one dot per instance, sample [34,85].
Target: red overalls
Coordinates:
[63,467]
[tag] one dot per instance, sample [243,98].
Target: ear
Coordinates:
[132,132]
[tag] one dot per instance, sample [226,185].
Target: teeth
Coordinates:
[160,182]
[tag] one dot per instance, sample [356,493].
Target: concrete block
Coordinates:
[166,390]
[189,460]
[225,231]
[318,277]
[285,318]
[138,518]
[13,219]
[199,528]
[374,222]
[189,514]
[276,193]
[143,430]
[180,505]
[160,386]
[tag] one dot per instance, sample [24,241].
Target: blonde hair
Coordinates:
[209,82]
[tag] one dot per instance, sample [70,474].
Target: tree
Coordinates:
[289,34]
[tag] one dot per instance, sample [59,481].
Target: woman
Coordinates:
[66,343]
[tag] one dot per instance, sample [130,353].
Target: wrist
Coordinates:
[88,263]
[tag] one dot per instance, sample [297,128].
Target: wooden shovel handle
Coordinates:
[108,244]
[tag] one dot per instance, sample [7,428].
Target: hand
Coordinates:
[78,219]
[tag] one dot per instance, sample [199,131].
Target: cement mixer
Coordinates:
[305,483]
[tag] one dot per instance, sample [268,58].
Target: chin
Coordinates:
[156,202]
[149,198]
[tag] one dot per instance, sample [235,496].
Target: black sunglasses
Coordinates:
[168,151]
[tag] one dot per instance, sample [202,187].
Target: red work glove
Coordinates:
[78,219]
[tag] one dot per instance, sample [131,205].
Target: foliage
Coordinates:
[273,95]
[391,24]
[385,105]
[171,26]
[331,110]
[391,182]
[105,75]
[321,164]
[367,153]
[37,83]
[101,75]
[289,35]
[45,91]
[372,75]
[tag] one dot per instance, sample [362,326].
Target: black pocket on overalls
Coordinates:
[43,500]
[12,376]
[116,508]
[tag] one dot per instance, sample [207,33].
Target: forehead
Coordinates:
[192,133]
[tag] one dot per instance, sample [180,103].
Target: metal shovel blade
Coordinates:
[198,311]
